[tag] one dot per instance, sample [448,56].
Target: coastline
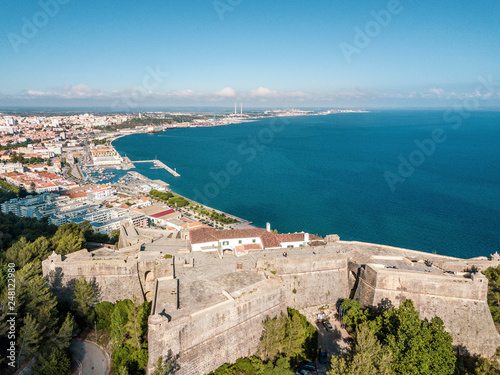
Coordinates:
[402,237]
[242,222]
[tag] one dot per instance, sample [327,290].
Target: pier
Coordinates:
[159,164]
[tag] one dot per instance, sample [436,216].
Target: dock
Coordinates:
[159,164]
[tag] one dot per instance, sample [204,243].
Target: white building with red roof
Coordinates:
[241,241]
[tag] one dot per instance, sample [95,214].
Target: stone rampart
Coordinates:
[114,278]
[310,280]
[459,301]
[218,334]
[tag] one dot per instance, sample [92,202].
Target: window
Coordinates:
[289,246]
[239,242]
[301,245]
[253,241]
[225,242]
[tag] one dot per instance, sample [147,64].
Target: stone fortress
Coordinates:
[208,306]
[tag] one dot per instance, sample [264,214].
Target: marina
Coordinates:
[98,174]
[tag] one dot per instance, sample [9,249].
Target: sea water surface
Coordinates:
[423,180]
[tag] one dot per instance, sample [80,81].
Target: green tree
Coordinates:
[65,334]
[167,365]
[417,346]
[272,342]
[128,358]
[368,357]
[295,334]
[117,328]
[84,299]
[115,236]
[282,367]
[36,299]
[161,367]
[68,238]
[486,367]
[136,315]
[28,340]
[103,311]
[22,252]
[57,362]
[354,315]
[493,275]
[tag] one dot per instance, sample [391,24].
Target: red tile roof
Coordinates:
[163,213]
[250,246]
[291,237]
[202,235]
[313,237]
[269,239]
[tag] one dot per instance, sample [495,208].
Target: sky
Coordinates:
[326,53]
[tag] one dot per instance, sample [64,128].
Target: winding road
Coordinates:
[90,358]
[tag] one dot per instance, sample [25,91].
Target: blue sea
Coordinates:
[418,179]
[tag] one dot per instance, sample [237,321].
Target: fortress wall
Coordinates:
[312,280]
[428,284]
[219,334]
[460,266]
[365,292]
[115,279]
[151,270]
[460,303]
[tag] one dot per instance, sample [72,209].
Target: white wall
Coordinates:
[295,244]
[236,242]
[198,246]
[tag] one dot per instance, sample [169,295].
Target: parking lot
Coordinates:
[333,342]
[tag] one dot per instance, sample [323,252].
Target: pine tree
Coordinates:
[40,302]
[161,368]
[28,340]
[84,298]
[57,362]
[68,238]
[65,334]
[117,329]
[134,326]
[295,336]
[417,346]
[273,337]
[368,357]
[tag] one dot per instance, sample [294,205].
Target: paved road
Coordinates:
[92,359]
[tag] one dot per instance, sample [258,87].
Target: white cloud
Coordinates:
[80,91]
[226,92]
[224,96]
[38,93]
[183,93]
[263,92]
[296,95]
[436,91]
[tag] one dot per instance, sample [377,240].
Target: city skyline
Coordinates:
[214,53]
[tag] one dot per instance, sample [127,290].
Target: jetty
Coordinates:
[159,164]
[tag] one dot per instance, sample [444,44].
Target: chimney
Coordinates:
[306,238]
[268,227]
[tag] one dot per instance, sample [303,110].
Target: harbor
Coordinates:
[159,165]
